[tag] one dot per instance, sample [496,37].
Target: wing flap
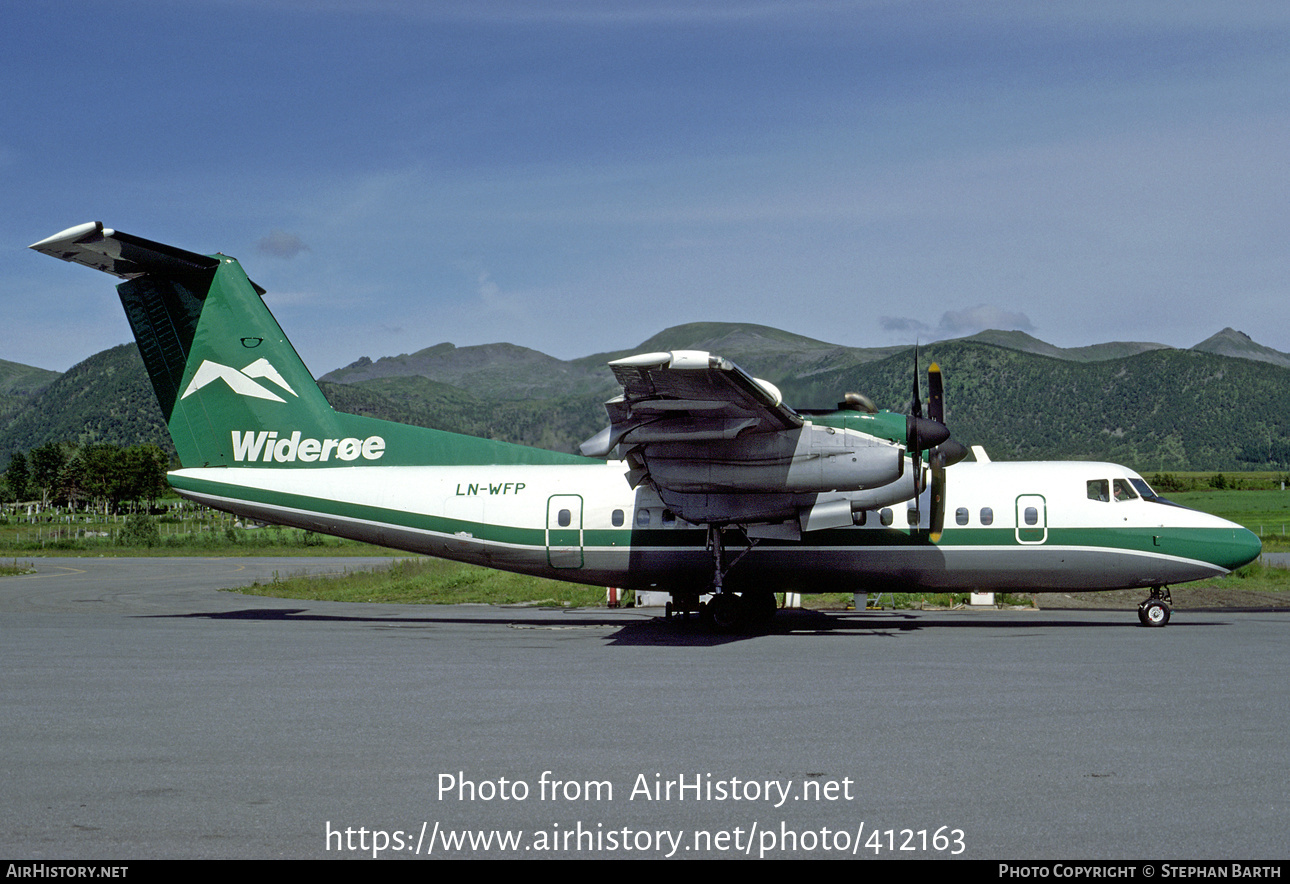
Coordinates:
[687,396]
[691,381]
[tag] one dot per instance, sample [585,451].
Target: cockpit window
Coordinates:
[1124,491]
[1144,489]
[1099,489]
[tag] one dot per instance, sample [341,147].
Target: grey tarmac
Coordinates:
[144,713]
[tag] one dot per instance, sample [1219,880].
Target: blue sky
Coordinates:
[575,176]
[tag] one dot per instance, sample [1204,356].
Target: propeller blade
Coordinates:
[936,522]
[935,394]
[913,438]
[917,407]
[945,452]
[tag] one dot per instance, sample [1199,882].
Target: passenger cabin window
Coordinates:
[564,517]
[987,516]
[669,518]
[961,516]
[1031,516]
[886,515]
[1099,489]
[911,516]
[617,518]
[642,518]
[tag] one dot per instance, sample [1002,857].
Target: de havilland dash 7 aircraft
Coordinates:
[704,484]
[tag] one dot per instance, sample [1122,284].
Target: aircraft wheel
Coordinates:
[726,612]
[1153,612]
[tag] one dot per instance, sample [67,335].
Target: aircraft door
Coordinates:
[1032,519]
[564,531]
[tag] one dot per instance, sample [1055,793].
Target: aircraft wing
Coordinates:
[687,396]
[720,447]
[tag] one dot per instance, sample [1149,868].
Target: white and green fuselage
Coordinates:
[581,522]
[256,437]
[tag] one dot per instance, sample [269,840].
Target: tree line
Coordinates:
[99,476]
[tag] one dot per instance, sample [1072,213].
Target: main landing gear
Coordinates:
[1156,609]
[729,611]
[737,611]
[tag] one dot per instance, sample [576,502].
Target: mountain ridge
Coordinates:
[1141,404]
[448,363]
[1239,345]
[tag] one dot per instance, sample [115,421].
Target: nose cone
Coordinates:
[1240,549]
[1211,542]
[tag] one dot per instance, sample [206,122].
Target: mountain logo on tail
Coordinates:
[241,381]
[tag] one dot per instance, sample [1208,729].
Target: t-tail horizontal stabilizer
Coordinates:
[123,255]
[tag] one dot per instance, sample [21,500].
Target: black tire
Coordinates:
[1153,612]
[726,612]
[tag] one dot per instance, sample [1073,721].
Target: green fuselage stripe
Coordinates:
[1196,544]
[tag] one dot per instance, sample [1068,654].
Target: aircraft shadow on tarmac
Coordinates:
[691,632]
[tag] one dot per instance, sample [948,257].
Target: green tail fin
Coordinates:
[233,390]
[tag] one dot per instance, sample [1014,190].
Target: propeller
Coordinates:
[923,432]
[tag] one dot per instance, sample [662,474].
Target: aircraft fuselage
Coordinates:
[1009,526]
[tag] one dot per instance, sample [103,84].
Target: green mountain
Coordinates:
[559,422]
[1158,410]
[1019,340]
[19,384]
[106,398]
[1144,405]
[495,371]
[24,379]
[1230,342]
[748,344]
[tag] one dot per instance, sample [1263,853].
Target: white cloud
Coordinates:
[956,323]
[902,325]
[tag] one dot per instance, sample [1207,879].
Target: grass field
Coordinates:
[1266,513]
[191,533]
[432,581]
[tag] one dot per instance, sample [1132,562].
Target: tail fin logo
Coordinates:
[240,381]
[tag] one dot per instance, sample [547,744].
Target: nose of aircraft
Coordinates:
[1242,548]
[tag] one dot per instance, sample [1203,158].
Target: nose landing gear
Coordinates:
[1156,609]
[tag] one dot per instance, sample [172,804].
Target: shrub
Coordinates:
[139,530]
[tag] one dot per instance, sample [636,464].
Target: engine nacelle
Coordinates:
[843,510]
[810,459]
